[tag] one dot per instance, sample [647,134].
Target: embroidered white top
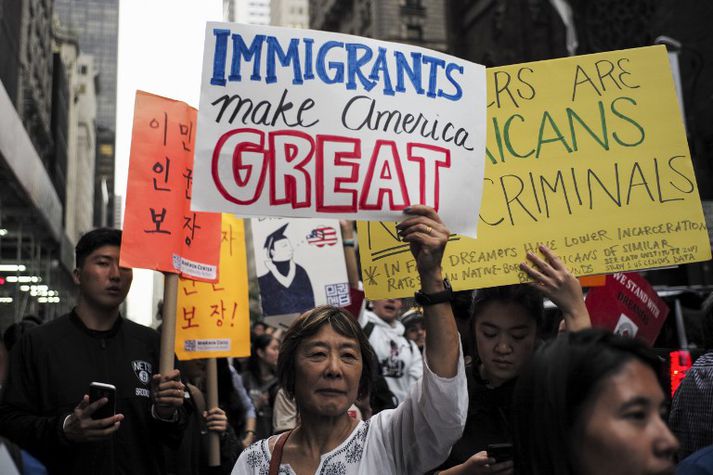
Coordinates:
[413,438]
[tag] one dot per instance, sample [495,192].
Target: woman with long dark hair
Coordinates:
[260,381]
[505,327]
[590,403]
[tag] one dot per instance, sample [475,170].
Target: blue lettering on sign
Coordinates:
[433,73]
[337,67]
[308,58]
[355,62]
[221,51]
[275,52]
[357,66]
[413,71]
[253,53]
[381,68]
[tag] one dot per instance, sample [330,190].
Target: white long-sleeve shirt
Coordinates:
[411,439]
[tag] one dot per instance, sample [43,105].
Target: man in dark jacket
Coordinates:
[46,408]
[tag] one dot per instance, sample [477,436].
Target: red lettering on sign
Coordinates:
[339,152]
[290,183]
[390,180]
[249,164]
[430,159]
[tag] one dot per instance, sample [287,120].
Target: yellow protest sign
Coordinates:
[587,155]
[213,320]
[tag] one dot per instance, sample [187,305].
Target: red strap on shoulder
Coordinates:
[277,453]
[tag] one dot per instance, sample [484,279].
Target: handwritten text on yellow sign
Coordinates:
[586,155]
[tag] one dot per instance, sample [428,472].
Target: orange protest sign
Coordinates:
[213,320]
[160,230]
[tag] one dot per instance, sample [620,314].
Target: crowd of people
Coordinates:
[459,383]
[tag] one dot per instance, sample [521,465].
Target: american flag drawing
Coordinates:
[322,235]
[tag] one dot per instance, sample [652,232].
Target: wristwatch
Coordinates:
[446,295]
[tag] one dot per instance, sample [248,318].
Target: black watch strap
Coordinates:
[445,295]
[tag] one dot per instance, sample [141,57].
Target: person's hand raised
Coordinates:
[554,280]
[427,236]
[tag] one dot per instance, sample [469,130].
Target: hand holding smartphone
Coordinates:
[500,452]
[101,390]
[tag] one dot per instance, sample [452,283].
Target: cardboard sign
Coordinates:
[301,123]
[586,155]
[160,230]
[629,306]
[300,264]
[213,319]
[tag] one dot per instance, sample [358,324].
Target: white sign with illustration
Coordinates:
[299,264]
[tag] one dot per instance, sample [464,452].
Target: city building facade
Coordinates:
[229,10]
[417,22]
[252,12]
[95,23]
[81,134]
[290,13]
[36,256]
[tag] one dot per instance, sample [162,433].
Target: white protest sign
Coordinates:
[299,263]
[303,123]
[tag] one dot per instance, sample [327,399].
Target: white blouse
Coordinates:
[413,438]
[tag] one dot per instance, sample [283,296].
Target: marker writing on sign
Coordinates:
[244,159]
[356,65]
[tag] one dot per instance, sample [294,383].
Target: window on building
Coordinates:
[414,3]
[414,32]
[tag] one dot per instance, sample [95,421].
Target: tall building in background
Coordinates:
[118,209]
[95,23]
[416,22]
[36,94]
[79,142]
[290,13]
[253,12]
[229,10]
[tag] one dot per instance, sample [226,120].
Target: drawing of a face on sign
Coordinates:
[286,287]
[281,250]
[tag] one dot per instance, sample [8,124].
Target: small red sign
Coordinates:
[627,305]
[680,364]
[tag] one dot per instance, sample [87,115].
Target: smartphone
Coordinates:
[500,452]
[98,391]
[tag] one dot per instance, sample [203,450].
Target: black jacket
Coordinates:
[488,419]
[50,371]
